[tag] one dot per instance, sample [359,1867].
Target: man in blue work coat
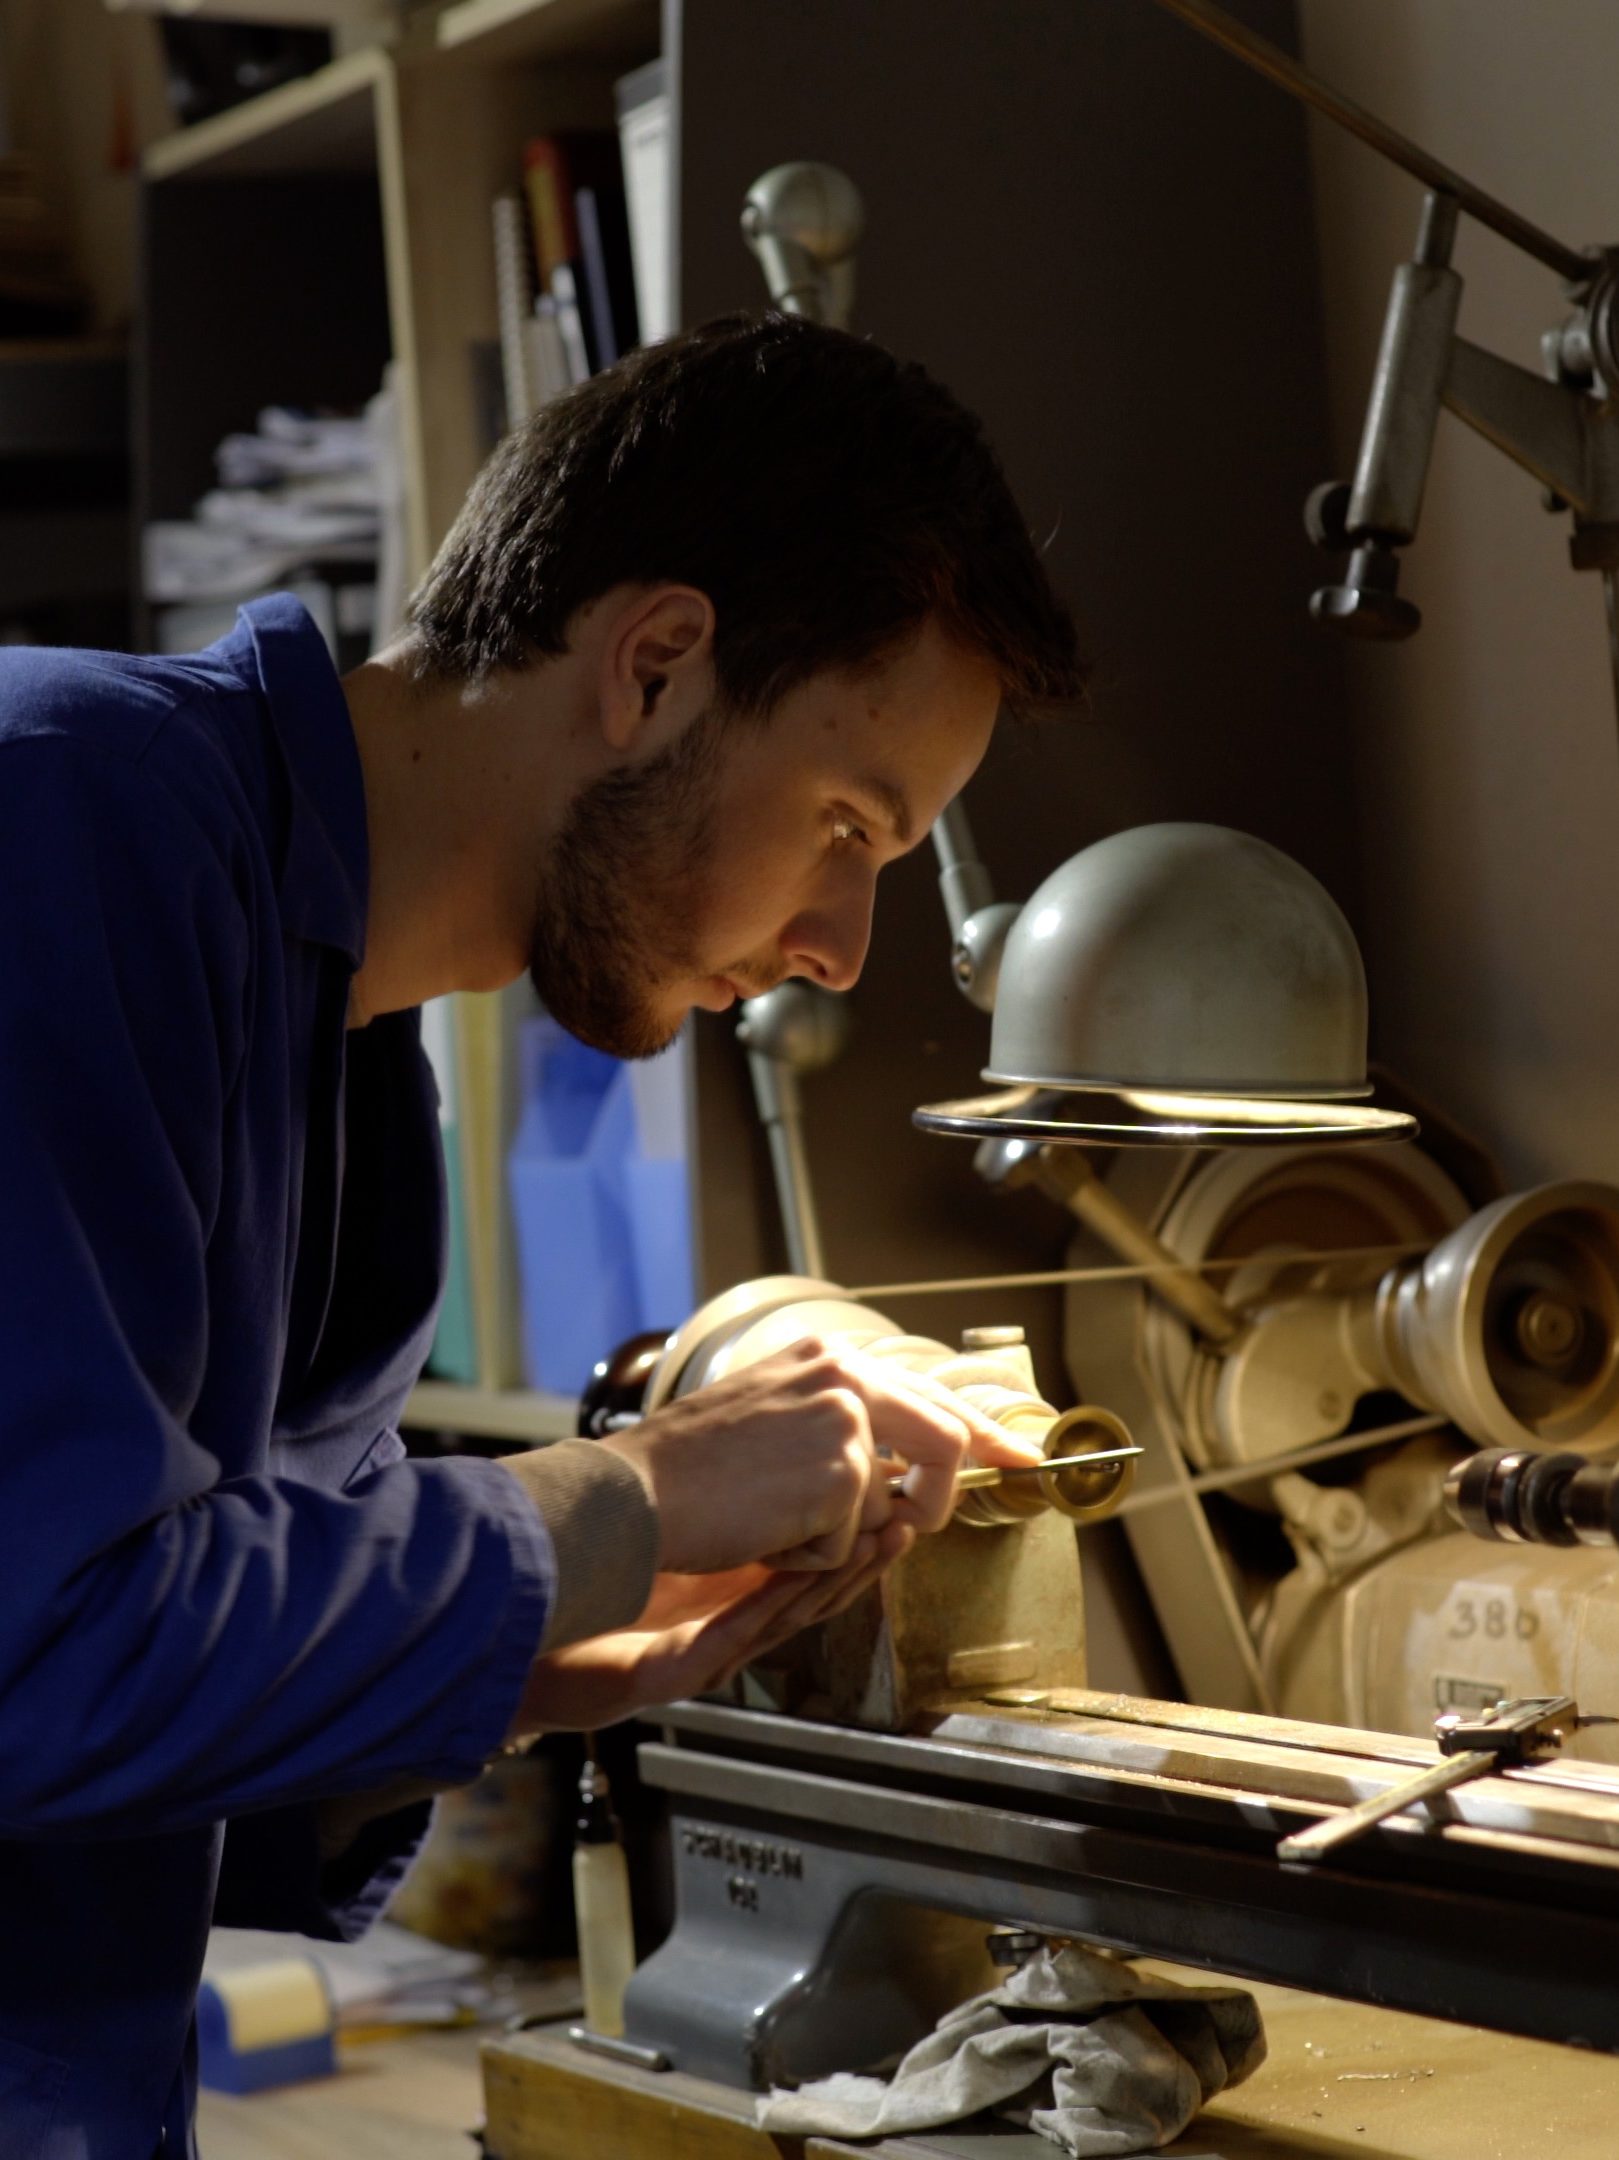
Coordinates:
[715,637]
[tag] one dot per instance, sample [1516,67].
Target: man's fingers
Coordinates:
[817,1556]
[820,1600]
[815,1602]
[614,1676]
[856,1499]
[676,1598]
[987,1442]
[894,1541]
[776,1463]
[706,1652]
[924,1429]
[1004,1450]
[826,1598]
[933,1430]
[724,1645]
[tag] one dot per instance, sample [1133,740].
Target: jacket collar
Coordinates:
[325,872]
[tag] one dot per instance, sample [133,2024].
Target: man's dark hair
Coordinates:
[828,498]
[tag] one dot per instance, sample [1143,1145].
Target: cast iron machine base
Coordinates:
[806,1855]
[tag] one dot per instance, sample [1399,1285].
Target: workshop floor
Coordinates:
[1343,2082]
[415,2098]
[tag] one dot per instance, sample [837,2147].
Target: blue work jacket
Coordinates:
[224,1595]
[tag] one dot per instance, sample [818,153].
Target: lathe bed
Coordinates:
[805,1855]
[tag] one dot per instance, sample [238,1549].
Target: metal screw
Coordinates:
[1548,1328]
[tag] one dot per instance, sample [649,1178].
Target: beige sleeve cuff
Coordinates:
[604,1534]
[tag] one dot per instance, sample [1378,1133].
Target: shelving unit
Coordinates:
[620,31]
[434,126]
[493,1413]
[322,123]
[1041,233]
[392,155]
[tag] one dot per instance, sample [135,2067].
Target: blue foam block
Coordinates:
[222,2067]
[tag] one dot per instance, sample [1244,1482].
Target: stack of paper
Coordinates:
[289,445]
[303,489]
[389,1977]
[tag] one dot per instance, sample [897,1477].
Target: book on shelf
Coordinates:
[454,1355]
[514,307]
[600,1147]
[579,231]
[646,149]
[487,1025]
[575,1197]
[604,251]
[569,317]
[548,190]
[555,168]
[553,372]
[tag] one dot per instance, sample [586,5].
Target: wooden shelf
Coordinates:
[325,122]
[370,17]
[495,1413]
[516,30]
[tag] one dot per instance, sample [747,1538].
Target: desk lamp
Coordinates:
[1176,984]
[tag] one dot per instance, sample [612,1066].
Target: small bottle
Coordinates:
[601,1903]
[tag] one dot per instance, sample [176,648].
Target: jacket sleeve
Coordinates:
[177,1646]
[277,1871]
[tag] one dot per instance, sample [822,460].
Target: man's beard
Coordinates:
[622,890]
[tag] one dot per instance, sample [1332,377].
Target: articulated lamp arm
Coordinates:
[979,923]
[804,222]
[1561,427]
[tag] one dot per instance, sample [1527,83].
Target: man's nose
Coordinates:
[830,944]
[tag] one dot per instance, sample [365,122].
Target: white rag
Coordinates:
[1078,2045]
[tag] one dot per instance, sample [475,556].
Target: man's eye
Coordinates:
[845,830]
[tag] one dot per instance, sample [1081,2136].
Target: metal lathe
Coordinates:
[930,1766]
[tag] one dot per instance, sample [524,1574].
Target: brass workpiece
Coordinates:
[992,1600]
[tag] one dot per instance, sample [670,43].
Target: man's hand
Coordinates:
[783,1461]
[697,1632]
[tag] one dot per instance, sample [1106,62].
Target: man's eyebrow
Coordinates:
[892,800]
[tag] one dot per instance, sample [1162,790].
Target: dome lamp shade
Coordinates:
[1181,985]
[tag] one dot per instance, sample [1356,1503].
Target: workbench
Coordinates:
[1343,2082]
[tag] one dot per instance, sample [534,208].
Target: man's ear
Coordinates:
[657,667]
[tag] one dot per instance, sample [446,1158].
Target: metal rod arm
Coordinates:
[1535,422]
[964,883]
[1119,1227]
[775,1089]
[1287,74]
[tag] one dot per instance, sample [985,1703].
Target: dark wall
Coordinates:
[262,291]
[1096,229]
